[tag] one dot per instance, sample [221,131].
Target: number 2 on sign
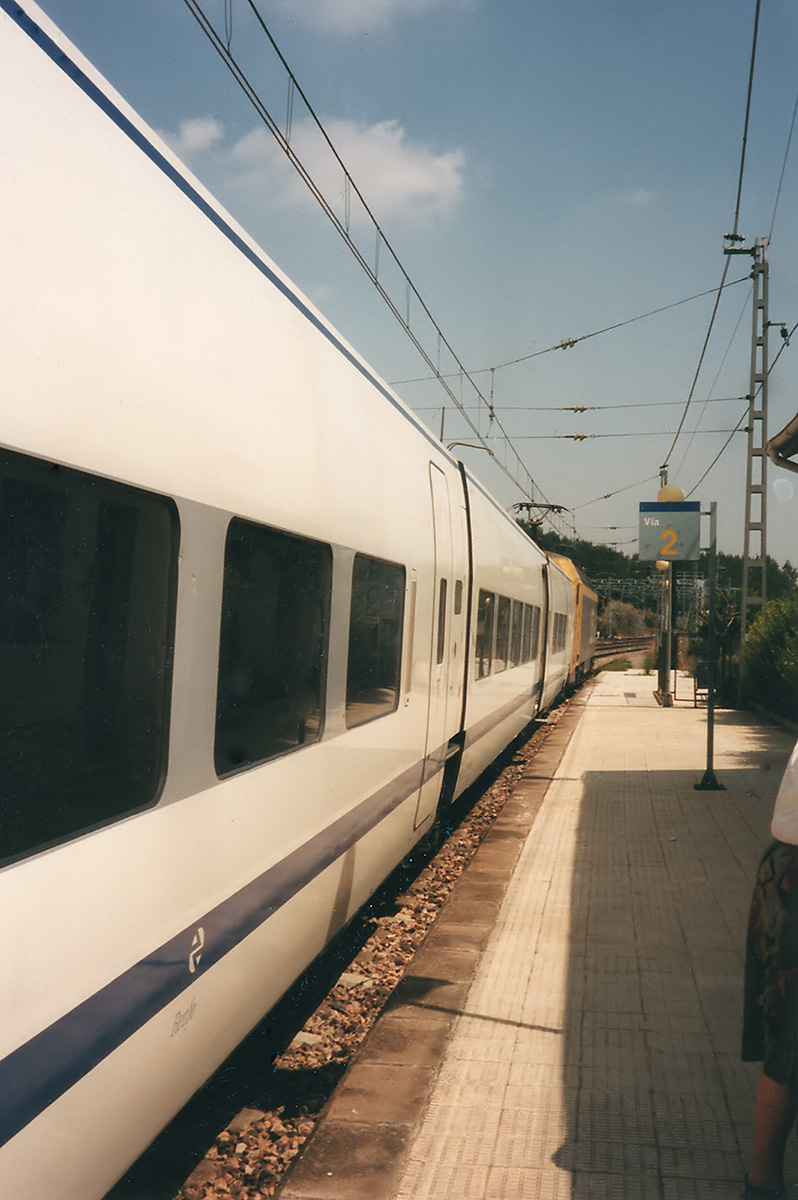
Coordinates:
[669,539]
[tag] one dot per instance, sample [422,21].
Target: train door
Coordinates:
[544,637]
[443,675]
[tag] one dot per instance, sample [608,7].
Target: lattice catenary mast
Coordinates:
[754,590]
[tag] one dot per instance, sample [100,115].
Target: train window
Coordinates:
[517,633]
[534,631]
[500,661]
[458,597]
[273,646]
[375,640]
[87,612]
[526,636]
[560,630]
[441,621]
[484,639]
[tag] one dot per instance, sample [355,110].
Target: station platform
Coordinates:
[570,1028]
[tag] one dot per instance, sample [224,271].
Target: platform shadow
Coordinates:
[656,1099]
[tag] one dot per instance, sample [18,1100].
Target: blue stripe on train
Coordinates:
[36,1074]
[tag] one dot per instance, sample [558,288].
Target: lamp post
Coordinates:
[664,673]
[669,493]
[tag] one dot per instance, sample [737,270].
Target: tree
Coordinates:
[780,581]
[597,562]
[770,657]
[727,636]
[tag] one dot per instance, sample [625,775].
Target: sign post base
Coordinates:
[709,783]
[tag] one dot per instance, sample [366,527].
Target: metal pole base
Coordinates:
[709,783]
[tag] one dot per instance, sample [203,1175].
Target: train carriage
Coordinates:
[241,675]
[583,642]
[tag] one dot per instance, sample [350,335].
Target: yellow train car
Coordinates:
[585,620]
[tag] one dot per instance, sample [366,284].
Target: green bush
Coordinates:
[770,659]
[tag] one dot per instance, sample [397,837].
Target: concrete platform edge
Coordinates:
[360,1145]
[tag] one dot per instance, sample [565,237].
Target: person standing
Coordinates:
[770,1008]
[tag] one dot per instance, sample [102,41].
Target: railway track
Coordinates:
[615,647]
[240,1135]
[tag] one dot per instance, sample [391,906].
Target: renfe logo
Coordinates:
[182,1018]
[196,950]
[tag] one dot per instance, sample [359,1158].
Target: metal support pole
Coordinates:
[674,628]
[666,698]
[710,783]
[664,692]
[755,529]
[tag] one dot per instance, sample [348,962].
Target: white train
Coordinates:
[256,625]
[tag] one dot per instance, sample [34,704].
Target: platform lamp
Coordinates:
[664,657]
[669,493]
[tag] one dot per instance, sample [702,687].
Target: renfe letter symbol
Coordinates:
[196,950]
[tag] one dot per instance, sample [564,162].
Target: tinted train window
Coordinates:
[275,617]
[517,633]
[560,632]
[375,640]
[534,631]
[502,634]
[526,638]
[484,639]
[89,573]
[441,622]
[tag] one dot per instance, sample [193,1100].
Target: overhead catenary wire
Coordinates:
[775,207]
[224,51]
[677,435]
[733,236]
[570,343]
[708,400]
[609,495]
[746,122]
[583,408]
[494,421]
[783,169]
[585,437]
[727,443]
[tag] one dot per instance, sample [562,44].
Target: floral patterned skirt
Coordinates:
[770,1011]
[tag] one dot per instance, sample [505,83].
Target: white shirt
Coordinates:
[784,825]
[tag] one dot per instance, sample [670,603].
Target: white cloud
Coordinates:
[359,16]
[639,198]
[195,136]
[398,179]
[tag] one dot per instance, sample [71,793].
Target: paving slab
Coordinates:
[591,1040]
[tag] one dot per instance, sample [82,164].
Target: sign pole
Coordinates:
[710,783]
[666,698]
[670,532]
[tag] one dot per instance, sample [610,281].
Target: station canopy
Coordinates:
[783,448]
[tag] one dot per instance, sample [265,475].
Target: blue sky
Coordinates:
[543,171]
